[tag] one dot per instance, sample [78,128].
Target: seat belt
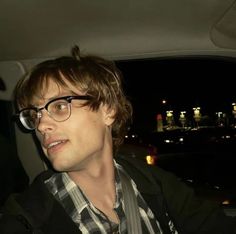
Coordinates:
[131,205]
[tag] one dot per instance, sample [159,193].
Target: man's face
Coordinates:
[72,144]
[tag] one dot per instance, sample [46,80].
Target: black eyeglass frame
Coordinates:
[37,110]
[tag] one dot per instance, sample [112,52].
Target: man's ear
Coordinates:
[108,114]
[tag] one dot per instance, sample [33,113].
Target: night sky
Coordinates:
[185,83]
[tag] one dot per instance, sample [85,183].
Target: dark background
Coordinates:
[185,83]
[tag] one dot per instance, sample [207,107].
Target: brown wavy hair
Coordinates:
[93,75]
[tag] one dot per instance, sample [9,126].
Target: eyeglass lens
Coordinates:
[59,110]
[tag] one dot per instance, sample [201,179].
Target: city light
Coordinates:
[163,101]
[150,160]
[197,115]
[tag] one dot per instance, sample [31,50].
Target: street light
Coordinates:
[169,118]
[182,118]
[197,115]
[234,112]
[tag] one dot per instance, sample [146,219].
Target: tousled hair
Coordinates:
[93,75]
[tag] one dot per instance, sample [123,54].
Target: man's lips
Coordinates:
[55,146]
[53,143]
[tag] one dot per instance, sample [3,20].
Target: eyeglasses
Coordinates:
[58,109]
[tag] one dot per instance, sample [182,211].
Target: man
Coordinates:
[78,110]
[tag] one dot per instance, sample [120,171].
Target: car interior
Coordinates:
[122,31]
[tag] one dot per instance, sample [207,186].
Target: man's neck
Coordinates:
[98,185]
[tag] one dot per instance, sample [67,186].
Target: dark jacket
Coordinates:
[37,211]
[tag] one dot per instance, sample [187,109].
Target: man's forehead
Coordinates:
[51,91]
[48,90]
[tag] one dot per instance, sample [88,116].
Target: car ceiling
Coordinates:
[121,29]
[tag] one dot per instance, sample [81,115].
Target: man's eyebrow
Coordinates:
[38,105]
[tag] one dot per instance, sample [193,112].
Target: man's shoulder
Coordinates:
[37,209]
[35,197]
[32,206]
[138,166]
[38,185]
[149,177]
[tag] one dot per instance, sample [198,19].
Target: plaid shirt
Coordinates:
[88,218]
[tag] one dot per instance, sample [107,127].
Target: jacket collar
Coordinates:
[140,173]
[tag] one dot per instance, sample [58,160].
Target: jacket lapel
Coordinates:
[47,214]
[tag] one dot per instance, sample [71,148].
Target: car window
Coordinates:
[185,107]
[184,83]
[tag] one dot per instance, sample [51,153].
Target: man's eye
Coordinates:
[60,106]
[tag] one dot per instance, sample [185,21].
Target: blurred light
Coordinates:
[226,137]
[181,139]
[190,180]
[196,111]
[234,107]
[219,114]
[226,202]
[182,114]
[159,117]
[150,160]
[169,113]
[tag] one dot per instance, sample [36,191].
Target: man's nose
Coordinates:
[45,121]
